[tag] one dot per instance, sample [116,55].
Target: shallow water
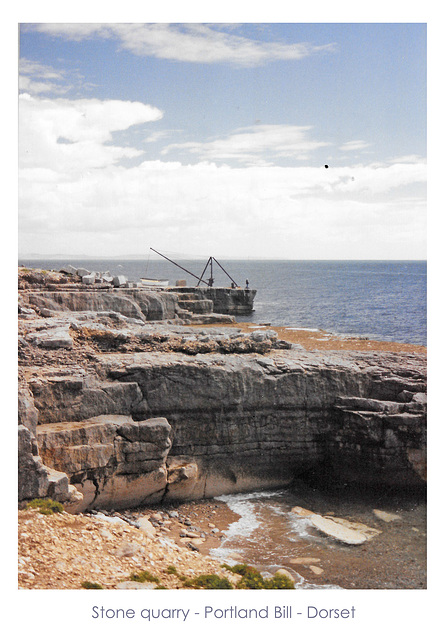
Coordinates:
[269,535]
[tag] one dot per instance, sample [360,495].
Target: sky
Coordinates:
[278,140]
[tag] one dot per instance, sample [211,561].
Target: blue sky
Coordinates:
[212,139]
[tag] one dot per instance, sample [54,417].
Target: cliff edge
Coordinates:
[116,410]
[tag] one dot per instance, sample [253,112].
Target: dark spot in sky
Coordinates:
[326,166]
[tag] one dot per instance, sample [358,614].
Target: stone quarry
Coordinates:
[128,397]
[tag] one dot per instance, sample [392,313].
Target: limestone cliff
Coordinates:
[130,412]
[238,422]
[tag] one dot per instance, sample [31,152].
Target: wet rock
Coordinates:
[285,573]
[317,570]
[385,516]
[304,561]
[343,530]
[368,532]
[300,511]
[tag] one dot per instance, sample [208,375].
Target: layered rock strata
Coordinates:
[225,300]
[238,422]
[189,305]
[36,480]
[132,413]
[134,303]
[113,460]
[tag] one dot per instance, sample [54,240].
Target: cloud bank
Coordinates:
[76,196]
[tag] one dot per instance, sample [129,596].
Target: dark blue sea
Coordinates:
[377,299]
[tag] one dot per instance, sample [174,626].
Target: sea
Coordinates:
[381,300]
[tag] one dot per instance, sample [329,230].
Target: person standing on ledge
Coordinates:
[247,284]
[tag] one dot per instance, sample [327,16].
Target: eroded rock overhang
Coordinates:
[235,422]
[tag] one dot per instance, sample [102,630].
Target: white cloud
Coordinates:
[187,42]
[281,212]
[255,144]
[74,135]
[413,158]
[75,196]
[354,145]
[31,67]
[37,78]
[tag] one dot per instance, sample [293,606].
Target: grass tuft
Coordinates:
[86,584]
[45,506]
[143,576]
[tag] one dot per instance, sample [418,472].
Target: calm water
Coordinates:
[381,300]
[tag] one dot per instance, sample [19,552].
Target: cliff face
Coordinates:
[224,300]
[127,412]
[235,422]
[133,303]
[147,305]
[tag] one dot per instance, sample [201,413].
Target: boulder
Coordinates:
[111,459]
[385,516]
[286,574]
[183,478]
[55,338]
[69,269]
[120,281]
[26,311]
[343,530]
[300,511]
[145,525]
[304,561]
[36,480]
[317,570]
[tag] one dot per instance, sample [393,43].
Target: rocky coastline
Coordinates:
[128,400]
